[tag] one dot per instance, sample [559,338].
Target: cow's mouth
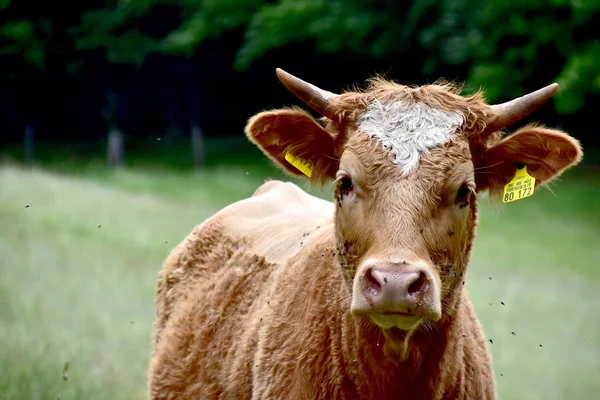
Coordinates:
[402,314]
[400,320]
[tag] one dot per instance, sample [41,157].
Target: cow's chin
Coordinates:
[397,331]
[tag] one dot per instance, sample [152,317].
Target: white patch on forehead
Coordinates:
[408,130]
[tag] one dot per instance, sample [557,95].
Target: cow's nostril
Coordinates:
[372,285]
[418,285]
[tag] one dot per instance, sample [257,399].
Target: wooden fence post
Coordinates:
[197,146]
[115,148]
[29,145]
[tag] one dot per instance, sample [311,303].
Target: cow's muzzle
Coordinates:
[396,294]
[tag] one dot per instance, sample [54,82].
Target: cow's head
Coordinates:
[408,163]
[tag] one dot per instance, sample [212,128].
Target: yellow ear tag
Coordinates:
[521,186]
[304,166]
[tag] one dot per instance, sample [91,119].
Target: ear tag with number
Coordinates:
[521,186]
[304,166]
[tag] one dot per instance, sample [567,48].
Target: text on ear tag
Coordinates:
[521,186]
[304,166]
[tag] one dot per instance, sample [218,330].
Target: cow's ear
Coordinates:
[547,153]
[296,143]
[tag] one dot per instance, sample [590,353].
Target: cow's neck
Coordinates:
[406,368]
[358,353]
[411,370]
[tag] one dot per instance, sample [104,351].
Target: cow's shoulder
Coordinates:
[276,203]
[276,221]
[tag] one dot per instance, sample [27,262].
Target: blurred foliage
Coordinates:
[106,27]
[22,40]
[34,39]
[501,43]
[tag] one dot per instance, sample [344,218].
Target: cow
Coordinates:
[284,295]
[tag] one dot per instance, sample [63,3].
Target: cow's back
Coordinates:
[214,289]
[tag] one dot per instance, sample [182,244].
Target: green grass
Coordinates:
[78,272]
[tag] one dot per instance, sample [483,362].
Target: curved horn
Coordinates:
[315,98]
[513,111]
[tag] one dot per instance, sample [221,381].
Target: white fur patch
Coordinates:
[408,130]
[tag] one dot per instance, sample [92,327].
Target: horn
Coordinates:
[317,99]
[508,113]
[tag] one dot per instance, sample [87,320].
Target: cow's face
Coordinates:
[405,232]
[408,164]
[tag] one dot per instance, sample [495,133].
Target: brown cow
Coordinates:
[286,296]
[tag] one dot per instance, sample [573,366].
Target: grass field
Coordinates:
[79,256]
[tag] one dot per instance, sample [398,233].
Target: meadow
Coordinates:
[80,249]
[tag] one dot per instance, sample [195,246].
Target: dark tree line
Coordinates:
[188,67]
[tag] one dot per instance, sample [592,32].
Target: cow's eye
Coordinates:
[464,193]
[346,185]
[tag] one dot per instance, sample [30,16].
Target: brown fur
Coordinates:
[256,302]
[317,145]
